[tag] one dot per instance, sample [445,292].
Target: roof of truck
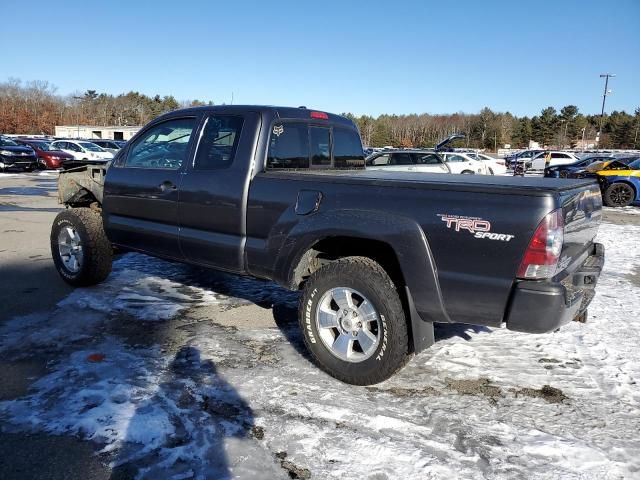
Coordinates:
[302,113]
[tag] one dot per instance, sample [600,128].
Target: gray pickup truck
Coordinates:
[282,194]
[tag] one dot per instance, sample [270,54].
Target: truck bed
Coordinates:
[538,186]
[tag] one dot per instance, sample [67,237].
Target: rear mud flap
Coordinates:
[422,335]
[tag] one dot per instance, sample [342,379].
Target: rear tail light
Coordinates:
[320,115]
[541,258]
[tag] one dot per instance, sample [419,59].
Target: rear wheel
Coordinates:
[81,252]
[619,195]
[353,321]
[467,172]
[563,174]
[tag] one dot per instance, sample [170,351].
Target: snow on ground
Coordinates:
[630,210]
[139,367]
[39,173]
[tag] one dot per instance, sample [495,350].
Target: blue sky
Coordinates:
[366,57]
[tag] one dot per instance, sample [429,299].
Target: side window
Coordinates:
[381,160]
[427,159]
[162,146]
[74,147]
[401,159]
[289,146]
[559,155]
[455,158]
[347,149]
[218,142]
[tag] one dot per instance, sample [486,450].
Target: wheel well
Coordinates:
[333,248]
[83,198]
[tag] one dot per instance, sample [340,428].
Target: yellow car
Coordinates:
[619,182]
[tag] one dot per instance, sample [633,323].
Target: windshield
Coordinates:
[5,142]
[45,146]
[635,165]
[92,147]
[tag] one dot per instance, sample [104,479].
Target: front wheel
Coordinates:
[81,252]
[468,172]
[619,195]
[353,322]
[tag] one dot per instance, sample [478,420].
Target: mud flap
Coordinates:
[422,335]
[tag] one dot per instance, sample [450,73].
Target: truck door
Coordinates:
[213,193]
[140,207]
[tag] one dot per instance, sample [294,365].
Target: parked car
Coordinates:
[539,161]
[495,166]
[82,150]
[463,163]
[109,145]
[48,158]
[282,194]
[521,157]
[426,161]
[564,171]
[14,156]
[620,183]
[590,170]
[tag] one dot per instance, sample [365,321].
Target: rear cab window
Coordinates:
[304,145]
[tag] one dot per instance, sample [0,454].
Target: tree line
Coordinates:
[35,108]
[492,130]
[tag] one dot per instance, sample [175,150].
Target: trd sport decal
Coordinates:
[478,227]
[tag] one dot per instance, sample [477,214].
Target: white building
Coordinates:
[92,131]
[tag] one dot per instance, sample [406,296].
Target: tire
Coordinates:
[367,282]
[619,195]
[563,174]
[467,172]
[80,227]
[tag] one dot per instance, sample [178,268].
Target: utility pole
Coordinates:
[606,77]
[78,115]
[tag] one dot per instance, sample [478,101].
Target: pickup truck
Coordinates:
[282,194]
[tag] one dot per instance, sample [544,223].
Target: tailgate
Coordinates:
[582,213]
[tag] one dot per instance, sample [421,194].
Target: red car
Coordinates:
[51,159]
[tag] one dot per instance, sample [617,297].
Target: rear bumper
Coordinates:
[542,306]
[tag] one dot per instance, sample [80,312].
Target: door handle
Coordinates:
[167,186]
